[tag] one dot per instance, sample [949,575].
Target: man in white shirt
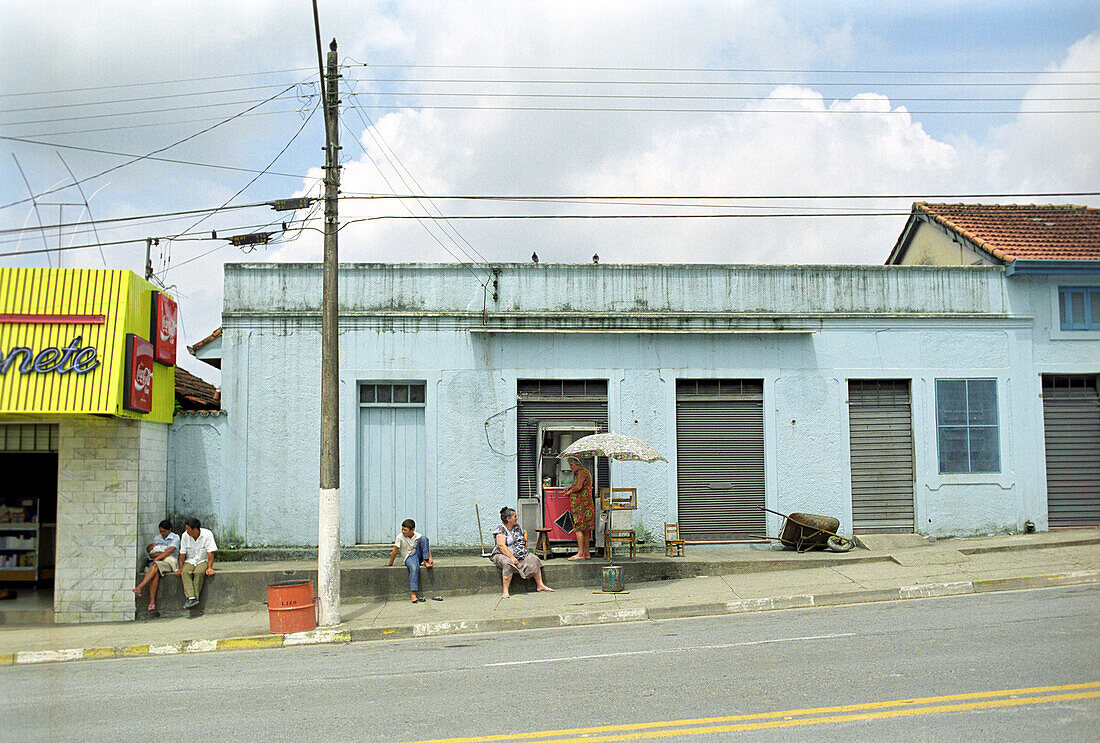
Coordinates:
[197,548]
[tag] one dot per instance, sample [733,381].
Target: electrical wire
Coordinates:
[144,112]
[384,147]
[654,109]
[731,197]
[768,70]
[431,234]
[642,216]
[147,98]
[133,218]
[140,240]
[154,152]
[158,159]
[737,83]
[653,97]
[160,82]
[256,177]
[176,122]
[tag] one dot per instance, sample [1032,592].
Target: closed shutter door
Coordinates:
[392,468]
[531,412]
[1071,418]
[881,431]
[720,460]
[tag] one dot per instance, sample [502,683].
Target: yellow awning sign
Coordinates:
[63,344]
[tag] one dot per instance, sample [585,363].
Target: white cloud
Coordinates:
[825,149]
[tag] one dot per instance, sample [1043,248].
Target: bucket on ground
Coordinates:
[290,606]
[613,578]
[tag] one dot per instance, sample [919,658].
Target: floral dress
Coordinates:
[584,515]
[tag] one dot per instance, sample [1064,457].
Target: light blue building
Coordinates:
[895,398]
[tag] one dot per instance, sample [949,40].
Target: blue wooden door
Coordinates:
[391,472]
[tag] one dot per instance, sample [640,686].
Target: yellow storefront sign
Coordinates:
[80,342]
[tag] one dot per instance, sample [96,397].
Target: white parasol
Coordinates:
[618,446]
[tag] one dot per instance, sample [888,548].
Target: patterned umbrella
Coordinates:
[613,446]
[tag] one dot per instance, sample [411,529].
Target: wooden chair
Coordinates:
[674,546]
[620,503]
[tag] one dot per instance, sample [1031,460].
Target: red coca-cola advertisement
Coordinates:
[163,332]
[138,393]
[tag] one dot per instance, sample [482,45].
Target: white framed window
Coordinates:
[967,427]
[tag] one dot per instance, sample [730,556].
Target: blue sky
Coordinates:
[109,50]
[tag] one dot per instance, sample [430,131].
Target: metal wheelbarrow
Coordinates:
[807,531]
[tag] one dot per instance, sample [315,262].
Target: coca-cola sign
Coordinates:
[163,331]
[138,394]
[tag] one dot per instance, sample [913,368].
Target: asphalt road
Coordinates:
[1018,666]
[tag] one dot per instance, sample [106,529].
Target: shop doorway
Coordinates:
[551,414]
[1071,422]
[392,460]
[720,459]
[880,431]
[28,520]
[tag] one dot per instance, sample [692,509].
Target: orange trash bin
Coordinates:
[290,606]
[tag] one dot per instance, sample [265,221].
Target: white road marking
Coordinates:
[668,650]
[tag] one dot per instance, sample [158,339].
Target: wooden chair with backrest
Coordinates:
[674,546]
[620,503]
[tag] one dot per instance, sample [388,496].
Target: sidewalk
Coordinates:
[728,581]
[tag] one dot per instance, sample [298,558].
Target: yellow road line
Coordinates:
[626,733]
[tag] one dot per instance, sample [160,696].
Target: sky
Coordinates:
[655,100]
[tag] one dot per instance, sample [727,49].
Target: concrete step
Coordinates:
[242,586]
[889,542]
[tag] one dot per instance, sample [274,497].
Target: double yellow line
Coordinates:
[801,717]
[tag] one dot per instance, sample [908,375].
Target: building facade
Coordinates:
[86,395]
[894,398]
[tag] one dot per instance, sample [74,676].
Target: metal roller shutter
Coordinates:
[881,433]
[720,459]
[542,400]
[1071,418]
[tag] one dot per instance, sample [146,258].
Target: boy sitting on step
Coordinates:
[414,551]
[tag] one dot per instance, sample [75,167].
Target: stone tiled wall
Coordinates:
[110,496]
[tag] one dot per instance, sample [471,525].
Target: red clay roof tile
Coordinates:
[1028,231]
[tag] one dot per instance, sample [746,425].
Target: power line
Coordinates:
[737,83]
[384,146]
[144,112]
[257,176]
[769,70]
[174,122]
[160,82]
[154,152]
[133,218]
[726,197]
[626,96]
[799,215]
[140,240]
[146,98]
[852,111]
[148,157]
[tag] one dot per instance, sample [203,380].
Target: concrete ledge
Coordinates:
[242,586]
[428,629]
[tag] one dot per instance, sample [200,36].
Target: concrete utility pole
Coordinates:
[328,533]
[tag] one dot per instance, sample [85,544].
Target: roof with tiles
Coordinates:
[193,393]
[1026,231]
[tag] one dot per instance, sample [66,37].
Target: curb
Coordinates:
[573,619]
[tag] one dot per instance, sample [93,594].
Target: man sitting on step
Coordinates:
[197,550]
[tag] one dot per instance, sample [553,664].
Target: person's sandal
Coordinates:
[151,607]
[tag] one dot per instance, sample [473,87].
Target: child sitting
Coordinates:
[414,551]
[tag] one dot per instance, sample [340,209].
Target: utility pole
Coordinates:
[328,507]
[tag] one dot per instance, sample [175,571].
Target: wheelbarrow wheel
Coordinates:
[839,544]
